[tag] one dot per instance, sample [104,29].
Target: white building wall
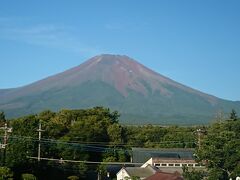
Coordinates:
[149,162]
[122,174]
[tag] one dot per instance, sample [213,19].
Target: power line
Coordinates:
[86,162]
[92,143]
[92,147]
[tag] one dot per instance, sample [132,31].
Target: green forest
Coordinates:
[72,138]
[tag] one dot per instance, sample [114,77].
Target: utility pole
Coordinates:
[39,130]
[199,133]
[99,175]
[6,130]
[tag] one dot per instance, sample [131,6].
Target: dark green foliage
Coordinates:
[2,118]
[220,149]
[192,174]
[161,137]
[5,173]
[73,178]
[72,135]
[233,115]
[95,135]
[116,134]
[28,177]
[20,146]
[66,135]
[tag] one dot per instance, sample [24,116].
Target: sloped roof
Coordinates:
[141,155]
[164,176]
[140,171]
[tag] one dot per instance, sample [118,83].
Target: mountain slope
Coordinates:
[118,82]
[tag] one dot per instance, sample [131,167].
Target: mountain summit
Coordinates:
[122,84]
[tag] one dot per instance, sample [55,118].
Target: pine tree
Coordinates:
[2,118]
[233,115]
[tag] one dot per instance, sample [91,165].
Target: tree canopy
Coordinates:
[220,149]
[96,135]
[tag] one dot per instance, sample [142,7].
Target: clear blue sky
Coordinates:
[195,42]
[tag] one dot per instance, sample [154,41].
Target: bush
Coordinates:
[5,173]
[28,177]
[73,177]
